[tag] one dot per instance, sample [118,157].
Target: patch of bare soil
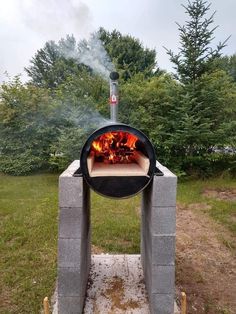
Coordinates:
[96,249]
[221,194]
[115,292]
[206,268]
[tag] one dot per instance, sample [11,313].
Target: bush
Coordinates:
[27,127]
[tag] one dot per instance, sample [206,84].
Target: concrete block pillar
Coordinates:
[158,241]
[74,248]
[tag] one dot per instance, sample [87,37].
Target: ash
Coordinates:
[116,285]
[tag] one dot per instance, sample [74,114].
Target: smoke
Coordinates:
[93,54]
[89,52]
[53,18]
[84,116]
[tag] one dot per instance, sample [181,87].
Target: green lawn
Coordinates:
[223,211]
[28,236]
[28,232]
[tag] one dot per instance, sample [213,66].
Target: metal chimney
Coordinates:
[114,76]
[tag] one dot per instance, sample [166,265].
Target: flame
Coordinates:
[97,146]
[115,147]
[131,140]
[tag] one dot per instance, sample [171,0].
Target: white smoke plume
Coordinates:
[54,17]
[89,52]
[85,117]
[38,22]
[93,54]
[46,20]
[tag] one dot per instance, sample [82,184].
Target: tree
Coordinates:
[206,95]
[196,56]
[228,64]
[183,129]
[38,130]
[148,104]
[53,63]
[128,54]
[28,127]
[82,98]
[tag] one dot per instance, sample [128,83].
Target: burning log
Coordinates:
[115,147]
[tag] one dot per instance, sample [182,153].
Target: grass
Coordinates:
[223,211]
[28,232]
[28,241]
[116,224]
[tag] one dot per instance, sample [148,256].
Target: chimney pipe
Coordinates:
[114,76]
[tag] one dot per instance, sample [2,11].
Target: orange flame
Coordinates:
[97,146]
[115,147]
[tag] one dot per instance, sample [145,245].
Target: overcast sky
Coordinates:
[25,25]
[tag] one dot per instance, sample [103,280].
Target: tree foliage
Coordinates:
[44,123]
[128,54]
[53,63]
[228,64]
[196,56]
[181,126]
[82,98]
[27,127]
[207,94]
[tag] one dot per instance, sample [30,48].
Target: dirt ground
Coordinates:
[205,266]
[221,194]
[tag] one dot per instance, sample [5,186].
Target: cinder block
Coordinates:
[163,250]
[149,251]
[163,220]
[69,252]
[164,170]
[164,191]
[163,279]
[70,305]
[70,170]
[69,282]
[148,278]
[70,222]
[162,304]
[71,192]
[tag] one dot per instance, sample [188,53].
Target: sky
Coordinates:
[25,26]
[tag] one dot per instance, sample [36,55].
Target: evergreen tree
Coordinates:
[196,56]
[228,64]
[204,112]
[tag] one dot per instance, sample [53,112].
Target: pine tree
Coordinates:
[205,105]
[195,55]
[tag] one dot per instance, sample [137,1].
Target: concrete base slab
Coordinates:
[116,285]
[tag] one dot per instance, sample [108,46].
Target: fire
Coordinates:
[115,147]
[97,146]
